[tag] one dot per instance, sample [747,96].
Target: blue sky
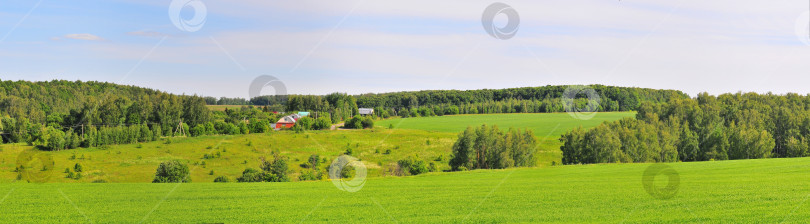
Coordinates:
[361,46]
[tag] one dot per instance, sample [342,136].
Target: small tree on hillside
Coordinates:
[172,172]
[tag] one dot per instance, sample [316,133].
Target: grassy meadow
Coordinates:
[137,162]
[379,148]
[742,191]
[546,126]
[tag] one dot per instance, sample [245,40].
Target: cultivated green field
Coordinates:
[543,124]
[743,191]
[546,126]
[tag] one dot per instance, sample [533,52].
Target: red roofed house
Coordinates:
[285,122]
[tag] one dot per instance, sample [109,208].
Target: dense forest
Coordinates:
[729,126]
[64,114]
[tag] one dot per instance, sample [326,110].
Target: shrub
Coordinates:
[354,123]
[310,175]
[221,179]
[322,123]
[413,166]
[172,172]
[347,172]
[367,123]
[304,123]
[314,161]
[271,171]
[77,168]
[251,175]
[278,168]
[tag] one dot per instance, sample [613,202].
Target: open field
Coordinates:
[742,191]
[222,107]
[137,162]
[546,126]
[543,124]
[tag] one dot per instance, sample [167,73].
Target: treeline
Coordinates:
[612,98]
[544,99]
[487,147]
[338,106]
[96,103]
[256,101]
[729,126]
[59,115]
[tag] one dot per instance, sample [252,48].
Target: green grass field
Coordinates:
[546,126]
[743,191]
[543,124]
[136,163]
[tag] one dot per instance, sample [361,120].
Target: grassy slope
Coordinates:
[546,126]
[743,191]
[129,163]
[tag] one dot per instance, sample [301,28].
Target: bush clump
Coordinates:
[172,172]
[271,171]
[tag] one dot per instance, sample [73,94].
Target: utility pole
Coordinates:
[180,128]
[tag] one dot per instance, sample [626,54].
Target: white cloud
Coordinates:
[84,36]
